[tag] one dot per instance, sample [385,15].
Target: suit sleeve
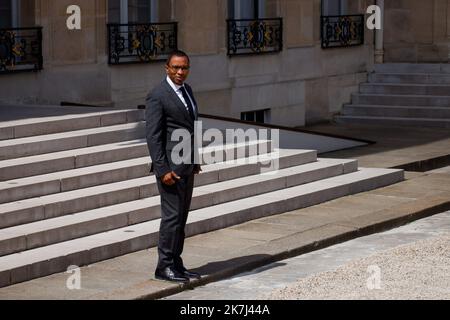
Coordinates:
[156,135]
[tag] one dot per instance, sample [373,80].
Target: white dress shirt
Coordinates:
[177,90]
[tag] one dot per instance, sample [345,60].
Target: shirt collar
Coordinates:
[174,86]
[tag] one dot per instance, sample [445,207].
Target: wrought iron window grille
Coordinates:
[342,31]
[254,36]
[20,50]
[141,42]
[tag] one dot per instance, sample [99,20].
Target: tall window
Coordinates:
[134,11]
[334,7]
[9,13]
[17,13]
[246,9]
[5,14]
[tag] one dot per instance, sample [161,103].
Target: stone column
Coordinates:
[379,39]
[448,29]
[124,12]
[15,15]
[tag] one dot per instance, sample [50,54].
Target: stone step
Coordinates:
[23,147]
[79,158]
[58,257]
[417,78]
[401,100]
[406,89]
[69,202]
[36,186]
[412,68]
[72,159]
[46,232]
[394,121]
[396,111]
[57,124]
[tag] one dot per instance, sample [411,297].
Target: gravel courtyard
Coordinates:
[420,270]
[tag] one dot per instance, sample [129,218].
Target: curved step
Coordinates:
[64,203]
[406,89]
[72,159]
[412,68]
[30,187]
[46,232]
[409,78]
[55,258]
[401,100]
[57,124]
[23,147]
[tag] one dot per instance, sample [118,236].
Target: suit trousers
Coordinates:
[175,204]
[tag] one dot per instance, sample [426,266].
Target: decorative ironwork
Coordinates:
[342,31]
[141,43]
[20,50]
[254,36]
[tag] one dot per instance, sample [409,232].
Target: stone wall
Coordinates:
[417,30]
[302,84]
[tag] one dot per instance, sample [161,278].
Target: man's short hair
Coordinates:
[177,53]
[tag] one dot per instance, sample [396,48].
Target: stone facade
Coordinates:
[302,84]
[417,31]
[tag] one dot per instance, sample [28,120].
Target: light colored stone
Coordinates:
[6,133]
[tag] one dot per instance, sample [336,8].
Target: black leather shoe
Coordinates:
[170,274]
[190,274]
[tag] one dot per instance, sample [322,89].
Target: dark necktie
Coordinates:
[188,102]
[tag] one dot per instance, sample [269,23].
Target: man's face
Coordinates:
[178,69]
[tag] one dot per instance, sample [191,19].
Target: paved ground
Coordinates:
[227,252]
[410,262]
[408,147]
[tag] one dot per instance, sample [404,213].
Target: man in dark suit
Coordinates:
[171,107]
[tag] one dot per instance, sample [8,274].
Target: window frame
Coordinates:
[124,12]
[343,8]
[256,116]
[12,10]
[258,10]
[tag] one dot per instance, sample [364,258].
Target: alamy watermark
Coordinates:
[74,20]
[374,280]
[73,282]
[374,21]
[233,146]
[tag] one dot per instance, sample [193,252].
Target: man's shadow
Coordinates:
[231,267]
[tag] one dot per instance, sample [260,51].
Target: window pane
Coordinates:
[114,11]
[247,9]
[260,116]
[5,14]
[242,9]
[261,9]
[248,116]
[331,7]
[138,11]
[231,10]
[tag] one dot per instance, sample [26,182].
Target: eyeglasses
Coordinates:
[183,68]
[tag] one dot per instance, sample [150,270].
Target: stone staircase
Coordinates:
[404,95]
[75,190]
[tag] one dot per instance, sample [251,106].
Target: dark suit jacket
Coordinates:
[164,114]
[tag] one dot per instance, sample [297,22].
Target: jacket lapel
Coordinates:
[191,94]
